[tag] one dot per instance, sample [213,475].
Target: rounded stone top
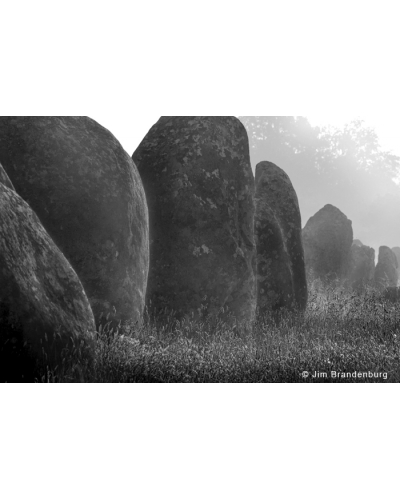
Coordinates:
[331,208]
[386,255]
[328,214]
[266,171]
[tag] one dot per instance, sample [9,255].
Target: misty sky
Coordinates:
[330,62]
[130,131]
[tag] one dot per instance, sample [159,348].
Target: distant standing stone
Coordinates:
[43,306]
[199,186]
[386,269]
[396,251]
[362,265]
[88,195]
[327,240]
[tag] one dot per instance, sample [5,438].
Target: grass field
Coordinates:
[342,337]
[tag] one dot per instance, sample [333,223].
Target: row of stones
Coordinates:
[81,211]
[331,253]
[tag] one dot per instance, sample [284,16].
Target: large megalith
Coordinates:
[362,265]
[386,268]
[200,187]
[327,240]
[45,316]
[280,269]
[88,194]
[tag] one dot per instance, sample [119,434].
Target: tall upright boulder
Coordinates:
[386,268]
[88,194]
[327,240]
[362,265]
[280,269]
[200,187]
[45,316]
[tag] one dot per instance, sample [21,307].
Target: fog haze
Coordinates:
[353,167]
[345,166]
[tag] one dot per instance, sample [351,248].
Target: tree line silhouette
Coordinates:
[346,167]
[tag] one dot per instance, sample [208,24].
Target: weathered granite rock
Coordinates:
[386,269]
[43,306]
[281,277]
[362,265]
[4,179]
[327,240]
[199,186]
[88,194]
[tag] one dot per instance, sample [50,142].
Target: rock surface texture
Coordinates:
[280,269]
[199,186]
[362,265]
[327,240]
[43,306]
[4,179]
[87,193]
[386,269]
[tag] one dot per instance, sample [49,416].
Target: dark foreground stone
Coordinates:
[45,316]
[88,195]
[199,186]
[281,277]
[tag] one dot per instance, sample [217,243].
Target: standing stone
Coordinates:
[281,277]
[396,251]
[386,269]
[199,186]
[327,240]
[43,306]
[362,265]
[87,193]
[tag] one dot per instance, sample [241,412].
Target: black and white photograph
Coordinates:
[199,250]
[223,249]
